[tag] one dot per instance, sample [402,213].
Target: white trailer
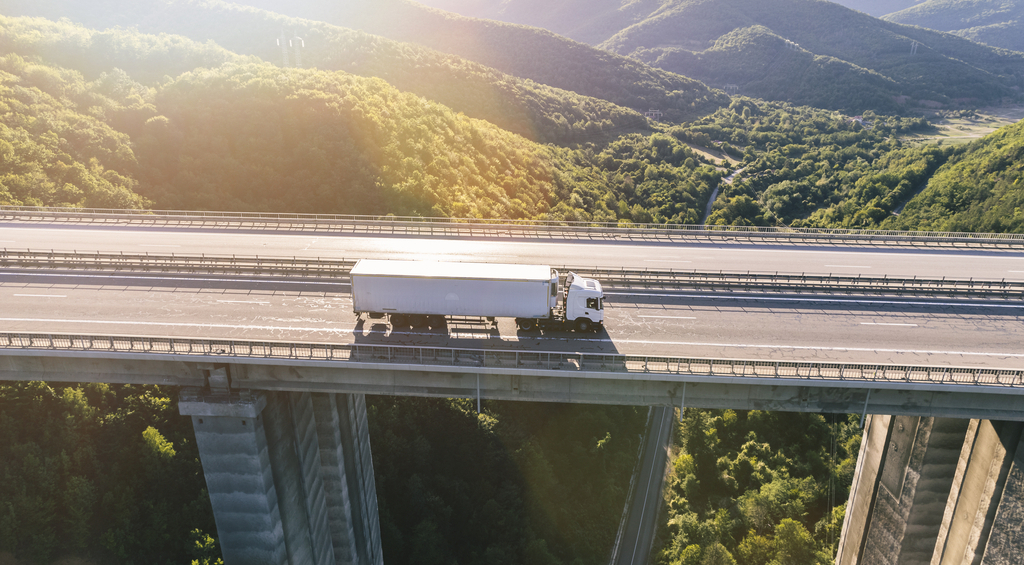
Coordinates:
[420,293]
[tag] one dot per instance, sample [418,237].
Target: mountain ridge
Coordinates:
[999,23]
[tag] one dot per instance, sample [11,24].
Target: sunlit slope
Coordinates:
[980,189]
[526,52]
[589,21]
[249,135]
[331,142]
[257,137]
[536,111]
[926,66]
[149,59]
[999,23]
[56,148]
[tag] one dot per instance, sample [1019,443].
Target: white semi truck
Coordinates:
[426,293]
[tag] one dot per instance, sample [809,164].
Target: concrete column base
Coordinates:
[936,491]
[289,474]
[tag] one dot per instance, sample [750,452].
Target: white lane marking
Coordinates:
[886,324]
[671,317]
[850,266]
[181,278]
[1017,271]
[183,325]
[532,338]
[44,295]
[243,301]
[156,245]
[822,300]
[7,241]
[665,261]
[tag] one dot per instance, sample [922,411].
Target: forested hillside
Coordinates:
[999,23]
[805,166]
[55,146]
[769,66]
[521,106]
[980,189]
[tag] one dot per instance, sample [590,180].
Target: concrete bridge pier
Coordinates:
[289,474]
[936,491]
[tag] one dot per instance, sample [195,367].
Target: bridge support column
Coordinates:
[936,491]
[289,474]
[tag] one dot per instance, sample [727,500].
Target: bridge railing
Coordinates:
[572,364]
[510,227]
[611,278]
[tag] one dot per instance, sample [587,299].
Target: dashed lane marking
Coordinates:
[43,295]
[886,324]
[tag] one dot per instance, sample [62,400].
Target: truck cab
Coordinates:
[583,299]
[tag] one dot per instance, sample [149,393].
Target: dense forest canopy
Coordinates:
[53,154]
[758,488]
[100,470]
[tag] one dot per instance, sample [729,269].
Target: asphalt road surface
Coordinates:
[641,518]
[684,324]
[788,258]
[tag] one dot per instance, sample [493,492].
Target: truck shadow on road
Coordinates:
[464,335]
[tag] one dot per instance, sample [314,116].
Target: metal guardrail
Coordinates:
[338,269]
[570,363]
[180,264]
[804,283]
[410,225]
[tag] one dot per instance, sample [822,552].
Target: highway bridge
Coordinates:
[251,313]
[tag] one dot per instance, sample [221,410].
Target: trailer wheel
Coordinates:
[527,324]
[399,321]
[583,325]
[418,321]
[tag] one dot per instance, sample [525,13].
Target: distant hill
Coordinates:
[927,67]
[589,21]
[999,23]
[521,51]
[878,8]
[756,60]
[801,51]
